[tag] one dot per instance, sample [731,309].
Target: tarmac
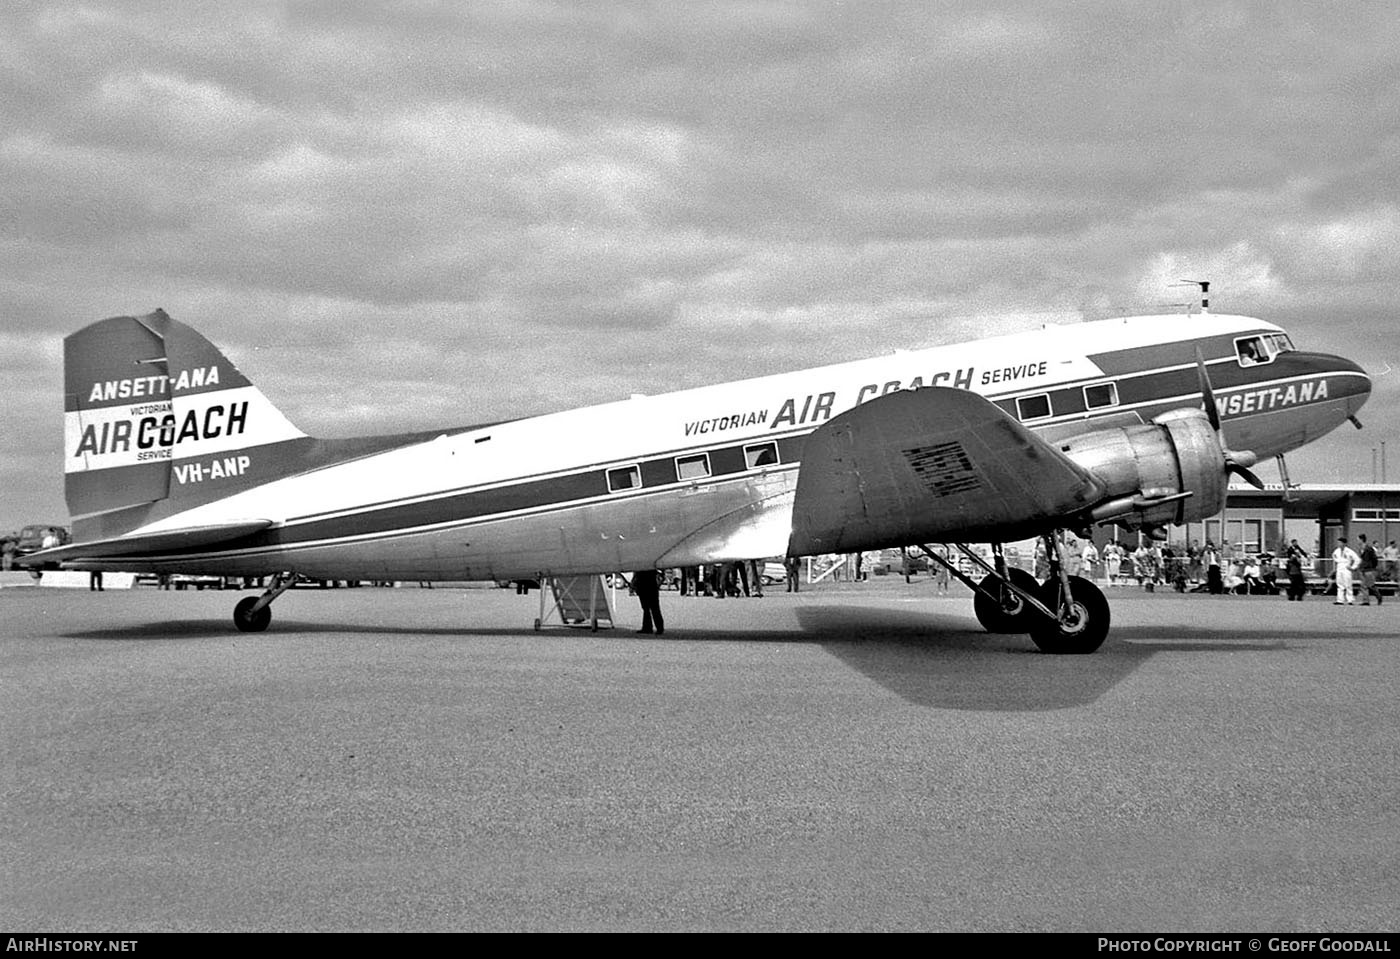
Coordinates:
[854,757]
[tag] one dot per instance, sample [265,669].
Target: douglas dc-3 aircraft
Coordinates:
[174,461]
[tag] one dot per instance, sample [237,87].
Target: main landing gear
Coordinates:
[1065,614]
[253,614]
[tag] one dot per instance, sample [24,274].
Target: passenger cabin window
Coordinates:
[693,467]
[762,454]
[1100,395]
[624,478]
[1033,407]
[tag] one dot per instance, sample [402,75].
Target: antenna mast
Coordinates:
[1205,293]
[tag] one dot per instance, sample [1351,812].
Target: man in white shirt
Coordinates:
[1344,560]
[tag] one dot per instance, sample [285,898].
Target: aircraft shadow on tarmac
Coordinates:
[947,662]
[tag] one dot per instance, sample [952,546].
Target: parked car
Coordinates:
[31,538]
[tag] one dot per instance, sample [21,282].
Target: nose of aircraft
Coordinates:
[1353,383]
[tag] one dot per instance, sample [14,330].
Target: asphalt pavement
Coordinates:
[855,757]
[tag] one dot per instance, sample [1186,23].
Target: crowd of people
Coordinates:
[1227,569]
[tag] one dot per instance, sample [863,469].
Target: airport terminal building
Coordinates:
[1264,521]
[1316,515]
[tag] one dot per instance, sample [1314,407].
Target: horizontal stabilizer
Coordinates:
[145,544]
[930,465]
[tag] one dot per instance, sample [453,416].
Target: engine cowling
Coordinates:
[1167,472]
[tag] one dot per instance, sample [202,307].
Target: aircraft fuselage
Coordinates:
[706,474]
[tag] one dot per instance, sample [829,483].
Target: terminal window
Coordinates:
[1375,515]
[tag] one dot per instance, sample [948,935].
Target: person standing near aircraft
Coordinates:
[1370,562]
[1113,561]
[1215,585]
[716,580]
[942,576]
[1391,556]
[1074,554]
[1089,560]
[1344,560]
[1293,564]
[1145,568]
[793,566]
[648,589]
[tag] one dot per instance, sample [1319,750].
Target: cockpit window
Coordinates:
[1261,348]
[1252,351]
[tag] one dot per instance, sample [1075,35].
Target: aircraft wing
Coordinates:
[141,545]
[930,465]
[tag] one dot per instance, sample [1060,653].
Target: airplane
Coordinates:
[176,462]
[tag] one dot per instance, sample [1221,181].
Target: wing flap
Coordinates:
[930,465]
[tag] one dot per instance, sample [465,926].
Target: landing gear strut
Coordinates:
[1081,616]
[998,603]
[1065,614]
[252,615]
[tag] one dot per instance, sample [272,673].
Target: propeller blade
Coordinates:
[1236,461]
[1207,394]
[1245,474]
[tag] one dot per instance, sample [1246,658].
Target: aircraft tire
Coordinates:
[1089,627]
[996,619]
[248,621]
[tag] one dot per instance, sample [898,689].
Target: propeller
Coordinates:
[1236,461]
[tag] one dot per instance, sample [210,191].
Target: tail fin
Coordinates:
[157,420]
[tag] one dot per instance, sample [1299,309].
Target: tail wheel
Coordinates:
[1081,628]
[1011,614]
[248,621]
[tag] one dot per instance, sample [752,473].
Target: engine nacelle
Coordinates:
[1166,472]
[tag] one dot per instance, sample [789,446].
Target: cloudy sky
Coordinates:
[410,215]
